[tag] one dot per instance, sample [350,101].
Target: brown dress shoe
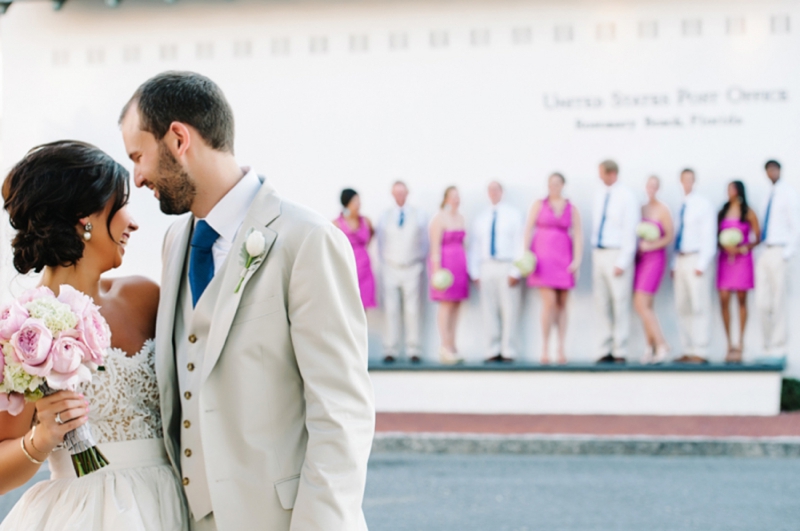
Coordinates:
[691,358]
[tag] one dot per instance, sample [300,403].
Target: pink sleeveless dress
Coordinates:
[454,258]
[735,273]
[552,245]
[359,239]
[650,267]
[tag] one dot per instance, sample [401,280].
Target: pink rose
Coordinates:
[68,354]
[73,298]
[32,344]
[11,318]
[95,334]
[14,403]
[32,294]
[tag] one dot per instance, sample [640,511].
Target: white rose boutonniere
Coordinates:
[253,251]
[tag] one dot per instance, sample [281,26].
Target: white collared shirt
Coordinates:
[783,226]
[623,213]
[406,245]
[228,214]
[700,232]
[508,238]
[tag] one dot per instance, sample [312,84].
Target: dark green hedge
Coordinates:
[790,395]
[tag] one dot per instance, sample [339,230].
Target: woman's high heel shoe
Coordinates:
[448,358]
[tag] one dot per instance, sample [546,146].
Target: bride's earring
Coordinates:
[87,234]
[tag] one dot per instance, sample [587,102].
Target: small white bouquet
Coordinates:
[50,344]
[648,231]
[442,279]
[731,237]
[526,264]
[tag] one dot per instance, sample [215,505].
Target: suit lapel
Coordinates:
[265,208]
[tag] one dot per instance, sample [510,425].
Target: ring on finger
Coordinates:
[58,418]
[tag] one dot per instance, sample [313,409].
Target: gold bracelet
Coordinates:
[33,445]
[24,451]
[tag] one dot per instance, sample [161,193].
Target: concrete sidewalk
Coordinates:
[589,435]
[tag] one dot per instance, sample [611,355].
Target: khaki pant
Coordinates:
[771,300]
[500,303]
[693,301]
[612,296]
[206,524]
[402,299]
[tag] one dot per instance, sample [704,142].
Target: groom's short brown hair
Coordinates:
[185,97]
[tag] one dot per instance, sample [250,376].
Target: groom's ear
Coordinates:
[178,139]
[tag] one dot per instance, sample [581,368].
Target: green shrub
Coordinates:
[790,395]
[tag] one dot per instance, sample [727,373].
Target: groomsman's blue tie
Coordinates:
[680,228]
[603,221]
[493,248]
[766,218]
[402,219]
[201,260]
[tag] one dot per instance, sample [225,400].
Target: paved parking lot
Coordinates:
[581,493]
[577,493]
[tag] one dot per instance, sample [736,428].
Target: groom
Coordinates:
[261,338]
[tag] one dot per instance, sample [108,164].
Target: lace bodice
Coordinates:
[123,399]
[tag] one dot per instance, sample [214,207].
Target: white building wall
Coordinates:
[335,94]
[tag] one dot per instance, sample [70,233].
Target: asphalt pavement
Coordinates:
[576,493]
[581,493]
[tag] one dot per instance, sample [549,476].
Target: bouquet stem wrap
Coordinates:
[80,443]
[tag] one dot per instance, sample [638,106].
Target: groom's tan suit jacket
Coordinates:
[284,402]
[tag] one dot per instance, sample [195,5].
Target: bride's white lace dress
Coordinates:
[139,490]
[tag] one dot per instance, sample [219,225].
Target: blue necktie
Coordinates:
[679,238]
[201,260]
[766,219]
[603,222]
[402,218]
[493,248]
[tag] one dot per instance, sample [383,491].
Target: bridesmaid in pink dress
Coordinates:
[651,261]
[358,230]
[447,233]
[735,264]
[554,231]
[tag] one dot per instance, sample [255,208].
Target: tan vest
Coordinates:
[190,335]
[402,245]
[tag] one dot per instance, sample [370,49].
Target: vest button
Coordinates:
[187,395]
[192,339]
[187,424]
[187,453]
[185,481]
[190,367]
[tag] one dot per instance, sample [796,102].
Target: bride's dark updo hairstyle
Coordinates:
[49,191]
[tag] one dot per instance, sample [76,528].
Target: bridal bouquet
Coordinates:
[50,344]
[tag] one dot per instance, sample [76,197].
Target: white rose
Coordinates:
[255,244]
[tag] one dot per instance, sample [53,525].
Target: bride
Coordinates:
[67,201]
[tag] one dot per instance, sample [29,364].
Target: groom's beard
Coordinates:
[176,190]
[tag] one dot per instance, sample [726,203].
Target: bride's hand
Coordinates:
[73,409]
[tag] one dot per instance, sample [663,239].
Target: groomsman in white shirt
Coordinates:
[496,243]
[695,248]
[616,214]
[402,246]
[779,234]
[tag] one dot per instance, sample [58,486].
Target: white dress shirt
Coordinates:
[700,233]
[404,245]
[622,214]
[508,238]
[228,215]
[783,226]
